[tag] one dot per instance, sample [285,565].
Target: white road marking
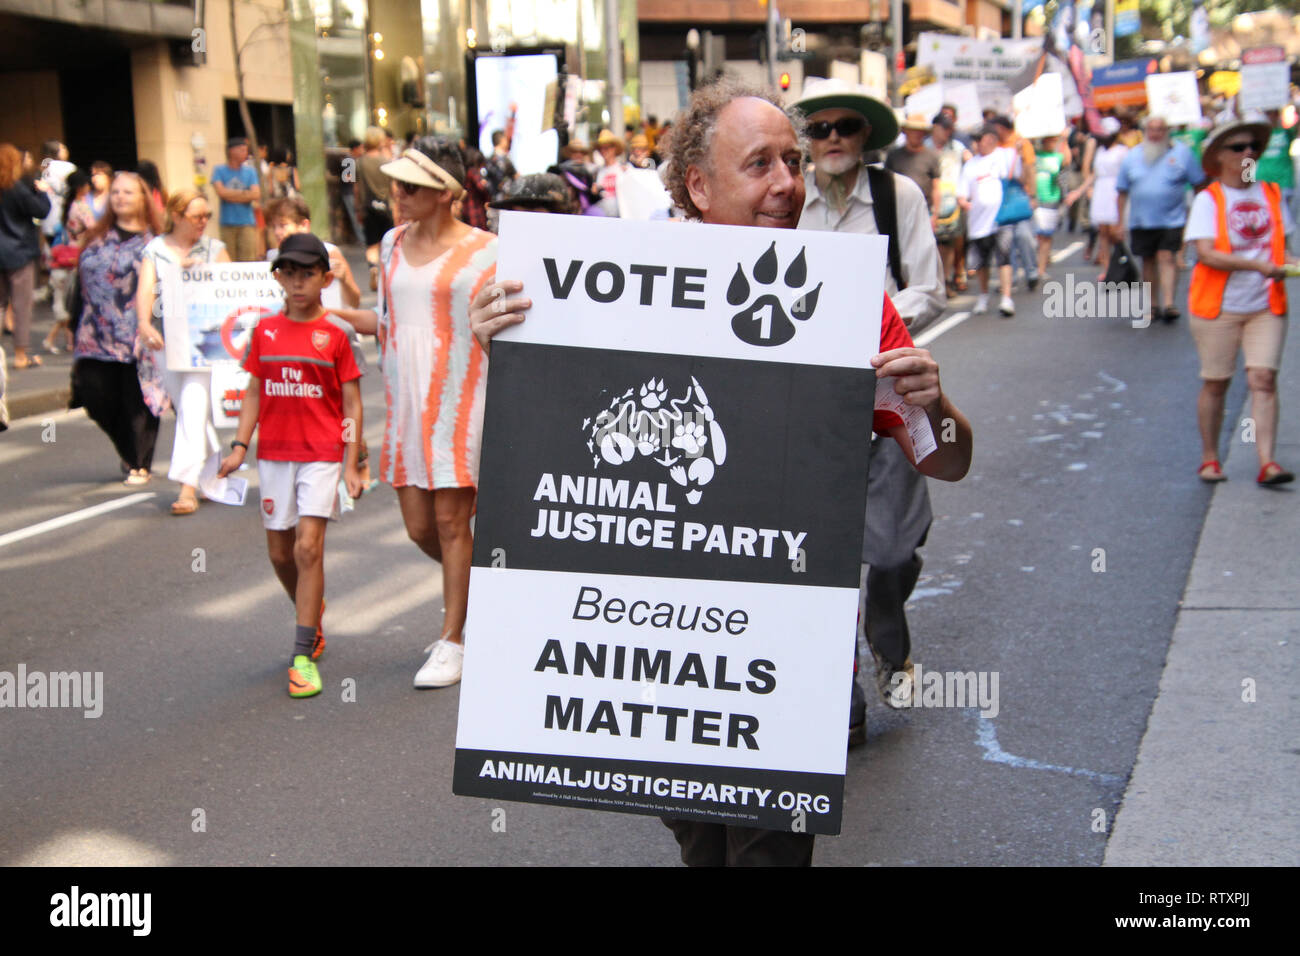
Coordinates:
[1068,251]
[73,517]
[987,735]
[929,335]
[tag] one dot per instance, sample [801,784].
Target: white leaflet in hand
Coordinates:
[226,491]
[346,501]
[914,417]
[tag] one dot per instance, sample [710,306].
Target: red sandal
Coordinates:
[1211,472]
[1274,474]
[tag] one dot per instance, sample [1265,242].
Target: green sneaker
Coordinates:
[304,678]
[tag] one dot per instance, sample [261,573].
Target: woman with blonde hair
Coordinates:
[23,200]
[181,246]
[112,377]
[376,214]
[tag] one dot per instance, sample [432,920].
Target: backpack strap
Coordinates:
[881,182]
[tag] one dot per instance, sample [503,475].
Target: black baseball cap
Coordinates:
[304,249]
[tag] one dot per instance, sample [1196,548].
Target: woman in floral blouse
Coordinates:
[112,375]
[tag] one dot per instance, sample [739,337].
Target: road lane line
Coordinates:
[73,517]
[1068,251]
[929,335]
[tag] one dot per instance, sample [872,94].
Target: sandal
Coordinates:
[1210,472]
[1274,474]
[33,361]
[185,505]
[138,476]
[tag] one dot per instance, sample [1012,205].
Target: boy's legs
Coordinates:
[309,563]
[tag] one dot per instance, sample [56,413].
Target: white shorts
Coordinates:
[1046,219]
[294,488]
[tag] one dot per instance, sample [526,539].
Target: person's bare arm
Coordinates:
[351,292]
[365,321]
[247,425]
[352,419]
[1228,262]
[916,375]
[146,303]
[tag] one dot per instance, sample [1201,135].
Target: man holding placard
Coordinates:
[737,160]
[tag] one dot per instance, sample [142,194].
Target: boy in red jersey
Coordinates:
[305,396]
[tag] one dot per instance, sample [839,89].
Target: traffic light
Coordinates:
[785,82]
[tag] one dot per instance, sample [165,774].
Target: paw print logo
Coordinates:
[690,438]
[681,435]
[765,320]
[653,394]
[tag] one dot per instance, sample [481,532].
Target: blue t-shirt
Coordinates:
[236,213]
[1157,194]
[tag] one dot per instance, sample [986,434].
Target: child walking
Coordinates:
[304,397]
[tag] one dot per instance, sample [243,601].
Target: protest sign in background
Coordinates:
[986,63]
[1174,96]
[1040,108]
[208,310]
[669,529]
[1265,79]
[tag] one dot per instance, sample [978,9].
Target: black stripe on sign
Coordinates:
[796,439]
[707,794]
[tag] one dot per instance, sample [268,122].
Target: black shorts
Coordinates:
[1145,242]
[996,247]
[376,222]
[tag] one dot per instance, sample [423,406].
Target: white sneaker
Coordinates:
[443,667]
[982,303]
[1007,307]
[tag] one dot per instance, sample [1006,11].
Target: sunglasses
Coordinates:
[408,189]
[846,127]
[1242,147]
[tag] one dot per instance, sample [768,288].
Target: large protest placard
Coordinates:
[1174,97]
[986,63]
[1040,108]
[1122,83]
[664,588]
[1265,79]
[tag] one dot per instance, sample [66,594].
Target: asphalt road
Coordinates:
[1085,439]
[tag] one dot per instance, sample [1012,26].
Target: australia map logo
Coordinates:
[681,435]
[766,320]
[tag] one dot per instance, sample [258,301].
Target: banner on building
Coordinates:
[1122,83]
[664,588]
[1128,19]
[1265,79]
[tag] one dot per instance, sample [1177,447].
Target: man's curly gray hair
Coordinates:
[692,132]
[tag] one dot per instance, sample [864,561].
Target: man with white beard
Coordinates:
[1153,182]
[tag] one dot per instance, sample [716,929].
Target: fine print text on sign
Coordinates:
[670,518]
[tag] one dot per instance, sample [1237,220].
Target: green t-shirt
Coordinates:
[1275,166]
[1049,178]
[1192,138]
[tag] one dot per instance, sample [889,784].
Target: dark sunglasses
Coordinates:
[408,189]
[846,127]
[1242,147]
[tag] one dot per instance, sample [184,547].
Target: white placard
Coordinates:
[641,195]
[1175,97]
[209,309]
[1265,79]
[986,63]
[927,100]
[1040,108]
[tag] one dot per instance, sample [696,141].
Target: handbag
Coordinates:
[64,255]
[1015,203]
[1121,269]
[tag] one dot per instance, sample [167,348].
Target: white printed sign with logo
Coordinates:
[1175,97]
[664,588]
[1265,77]
[986,63]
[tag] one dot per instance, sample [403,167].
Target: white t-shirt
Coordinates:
[55,173]
[981,183]
[1251,234]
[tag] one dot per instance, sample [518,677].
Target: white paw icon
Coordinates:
[681,434]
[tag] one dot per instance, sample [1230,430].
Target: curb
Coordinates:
[27,404]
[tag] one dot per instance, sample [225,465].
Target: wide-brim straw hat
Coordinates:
[606,138]
[823,94]
[1260,129]
[418,169]
[917,122]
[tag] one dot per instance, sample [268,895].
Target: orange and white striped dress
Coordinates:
[435,374]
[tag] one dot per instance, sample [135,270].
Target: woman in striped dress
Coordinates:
[434,375]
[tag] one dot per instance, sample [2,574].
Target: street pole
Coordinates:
[1110,29]
[772,24]
[895,70]
[1017,19]
[614,69]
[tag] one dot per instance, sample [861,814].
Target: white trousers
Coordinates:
[196,439]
